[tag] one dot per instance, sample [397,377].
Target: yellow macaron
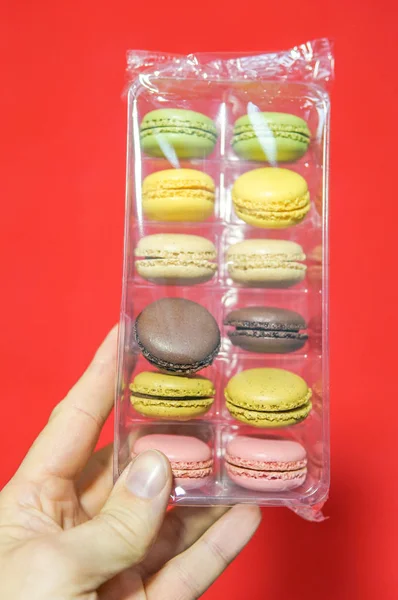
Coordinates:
[178,195]
[271,197]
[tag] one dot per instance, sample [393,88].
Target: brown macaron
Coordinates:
[177,335]
[266,329]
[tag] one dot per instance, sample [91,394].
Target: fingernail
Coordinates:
[147,475]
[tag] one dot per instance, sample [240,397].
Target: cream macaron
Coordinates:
[175,258]
[266,263]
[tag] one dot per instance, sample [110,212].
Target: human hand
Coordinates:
[65,534]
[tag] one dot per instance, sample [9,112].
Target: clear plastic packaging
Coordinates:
[225,88]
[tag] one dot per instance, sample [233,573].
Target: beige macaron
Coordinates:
[175,258]
[266,263]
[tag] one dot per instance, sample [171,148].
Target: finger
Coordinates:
[96,481]
[64,446]
[190,574]
[125,586]
[121,535]
[181,528]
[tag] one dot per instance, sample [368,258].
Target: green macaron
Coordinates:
[271,137]
[171,132]
[266,397]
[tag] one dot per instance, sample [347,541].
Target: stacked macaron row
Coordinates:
[268,197]
[179,337]
[257,464]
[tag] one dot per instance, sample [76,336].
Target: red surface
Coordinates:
[62,190]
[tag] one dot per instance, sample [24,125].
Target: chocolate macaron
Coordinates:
[266,329]
[177,335]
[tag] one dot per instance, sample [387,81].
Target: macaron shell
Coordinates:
[257,418]
[267,318]
[178,195]
[172,386]
[265,454]
[177,133]
[272,220]
[178,410]
[183,143]
[176,272]
[284,275]
[273,122]
[271,189]
[178,117]
[175,245]
[186,206]
[264,342]
[271,197]
[267,389]
[262,481]
[271,149]
[186,482]
[183,452]
[253,249]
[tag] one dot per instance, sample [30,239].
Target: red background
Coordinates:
[62,194]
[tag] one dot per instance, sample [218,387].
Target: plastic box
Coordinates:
[222,87]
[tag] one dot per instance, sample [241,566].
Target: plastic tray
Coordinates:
[222,87]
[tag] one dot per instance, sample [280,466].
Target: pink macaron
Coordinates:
[266,465]
[190,458]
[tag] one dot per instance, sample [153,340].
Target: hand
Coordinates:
[66,535]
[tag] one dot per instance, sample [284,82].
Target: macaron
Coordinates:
[265,397]
[266,263]
[177,335]
[271,198]
[266,329]
[190,458]
[266,465]
[176,132]
[178,195]
[271,136]
[171,396]
[175,258]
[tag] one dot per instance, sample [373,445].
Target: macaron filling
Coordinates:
[269,418]
[258,207]
[248,132]
[261,465]
[266,326]
[179,126]
[279,405]
[269,475]
[260,333]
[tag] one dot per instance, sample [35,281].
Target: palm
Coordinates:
[60,489]
[31,510]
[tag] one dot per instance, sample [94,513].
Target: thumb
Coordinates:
[121,535]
